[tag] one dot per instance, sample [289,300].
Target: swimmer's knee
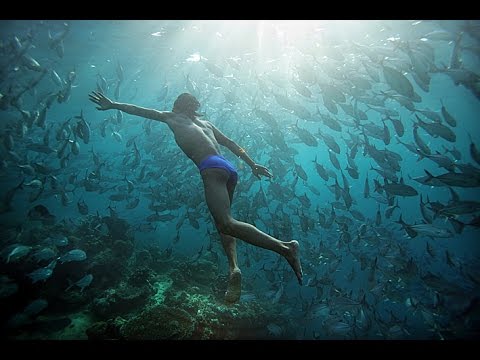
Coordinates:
[225,226]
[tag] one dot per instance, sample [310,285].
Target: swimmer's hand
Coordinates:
[261,170]
[100,99]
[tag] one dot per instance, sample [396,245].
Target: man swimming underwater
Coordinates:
[200,140]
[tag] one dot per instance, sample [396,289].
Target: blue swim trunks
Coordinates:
[218,161]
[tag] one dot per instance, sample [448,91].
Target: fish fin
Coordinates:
[70,284]
[430,176]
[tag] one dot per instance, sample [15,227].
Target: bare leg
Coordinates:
[234,289]
[229,243]
[218,202]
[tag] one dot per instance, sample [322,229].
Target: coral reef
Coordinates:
[184,307]
[106,330]
[120,300]
[144,293]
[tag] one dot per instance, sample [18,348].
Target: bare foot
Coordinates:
[293,259]
[234,289]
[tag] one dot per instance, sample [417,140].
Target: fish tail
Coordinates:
[430,176]
[20,186]
[457,225]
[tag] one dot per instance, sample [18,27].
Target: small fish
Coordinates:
[35,183]
[120,72]
[132,204]
[82,283]
[41,148]
[130,185]
[35,307]
[44,254]
[82,207]
[117,136]
[56,78]
[73,255]
[41,274]
[27,169]
[7,287]
[41,213]
[18,252]
[56,240]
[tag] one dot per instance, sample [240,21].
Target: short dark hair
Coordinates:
[186,103]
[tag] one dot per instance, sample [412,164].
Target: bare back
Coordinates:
[194,137]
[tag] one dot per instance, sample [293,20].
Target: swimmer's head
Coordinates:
[186,104]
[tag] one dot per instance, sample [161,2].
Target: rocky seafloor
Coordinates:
[136,293]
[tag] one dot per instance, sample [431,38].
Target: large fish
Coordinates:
[55,41]
[5,204]
[474,153]
[330,142]
[460,208]
[449,119]
[82,129]
[321,170]
[437,129]
[306,137]
[398,82]
[442,161]
[424,229]
[422,146]
[453,179]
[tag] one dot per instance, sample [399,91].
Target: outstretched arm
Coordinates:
[106,104]
[241,153]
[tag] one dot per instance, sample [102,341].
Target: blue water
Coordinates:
[160,60]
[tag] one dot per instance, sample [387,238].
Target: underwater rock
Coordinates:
[185,273]
[98,331]
[94,245]
[118,228]
[121,300]
[70,301]
[75,241]
[140,277]
[50,325]
[107,269]
[160,323]
[122,248]
[143,258]
[190,314]
[163,322]
[106,330]
[101,307]
[203,272]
